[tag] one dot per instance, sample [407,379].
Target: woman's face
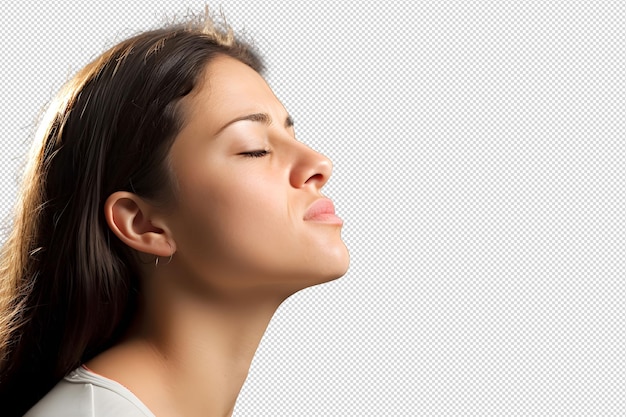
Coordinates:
[247,190]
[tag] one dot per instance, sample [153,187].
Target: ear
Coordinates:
[133,221]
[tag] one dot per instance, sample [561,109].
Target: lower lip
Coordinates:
[327,218]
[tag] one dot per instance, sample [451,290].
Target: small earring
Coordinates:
[156,260]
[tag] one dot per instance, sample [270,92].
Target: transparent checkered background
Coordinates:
[480,167]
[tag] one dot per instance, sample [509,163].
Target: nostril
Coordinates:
[315,178]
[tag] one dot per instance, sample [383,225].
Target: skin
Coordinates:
[239,244]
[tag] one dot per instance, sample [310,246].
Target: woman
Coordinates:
[166,212]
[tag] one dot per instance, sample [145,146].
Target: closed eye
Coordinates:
[255,154]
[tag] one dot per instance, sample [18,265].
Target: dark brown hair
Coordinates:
[67,285]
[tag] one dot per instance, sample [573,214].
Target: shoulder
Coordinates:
[85,394]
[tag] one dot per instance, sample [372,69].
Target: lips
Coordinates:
[322,210]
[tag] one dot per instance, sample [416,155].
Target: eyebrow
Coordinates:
[256,117]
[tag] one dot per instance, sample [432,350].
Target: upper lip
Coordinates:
[320,206]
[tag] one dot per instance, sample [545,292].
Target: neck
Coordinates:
[187,356]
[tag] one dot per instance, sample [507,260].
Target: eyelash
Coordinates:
[256,154]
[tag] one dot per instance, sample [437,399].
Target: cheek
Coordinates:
[235,221]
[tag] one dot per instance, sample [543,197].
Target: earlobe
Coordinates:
[128,216]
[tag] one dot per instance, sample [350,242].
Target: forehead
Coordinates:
[229,87]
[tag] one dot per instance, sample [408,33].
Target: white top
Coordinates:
[86,394]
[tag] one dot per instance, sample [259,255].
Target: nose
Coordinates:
[310,169]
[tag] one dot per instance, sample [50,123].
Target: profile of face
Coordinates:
[249,212]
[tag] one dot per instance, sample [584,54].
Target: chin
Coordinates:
[341,258]
[331,267]
[341,267]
